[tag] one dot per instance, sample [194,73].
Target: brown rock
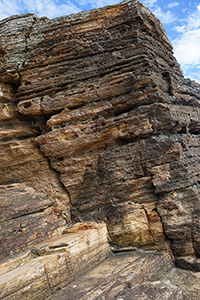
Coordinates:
[60,259]
[133,275]
[97,123]
[27,218]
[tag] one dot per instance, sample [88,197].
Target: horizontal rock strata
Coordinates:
[27,218]
[134,275]
[51,265]
[97,123]
[118,114]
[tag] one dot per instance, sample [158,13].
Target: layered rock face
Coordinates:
[41,270]
[98,123]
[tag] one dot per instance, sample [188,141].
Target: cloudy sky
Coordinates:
[180,18]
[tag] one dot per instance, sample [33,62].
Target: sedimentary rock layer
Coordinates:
[54,270]
[52,264]
[134,275]
[98,119]
[27,217]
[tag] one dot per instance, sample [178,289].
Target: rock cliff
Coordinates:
[97,123]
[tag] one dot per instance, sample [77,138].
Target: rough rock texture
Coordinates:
[26,217]
[98,123]
[136,275]
[52,264]
[59,263]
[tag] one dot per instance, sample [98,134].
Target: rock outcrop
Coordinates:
[97,123]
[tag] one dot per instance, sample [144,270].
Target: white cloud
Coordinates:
[191,22]
[187,48]
[8,8]
[165,17]
[193,74]
[173,4]
[49,8]
[97,3]
[150,3]
[187,45]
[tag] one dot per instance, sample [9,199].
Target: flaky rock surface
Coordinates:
[97,123]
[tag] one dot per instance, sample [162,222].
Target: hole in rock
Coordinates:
[76,107]
[60,158]
[26,105]
[58,246]
[183,130]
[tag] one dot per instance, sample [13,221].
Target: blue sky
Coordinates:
[181,20]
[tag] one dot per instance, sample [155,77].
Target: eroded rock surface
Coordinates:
[27,217]
[52,264]
[97,123]
[58,269]
[132,276]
